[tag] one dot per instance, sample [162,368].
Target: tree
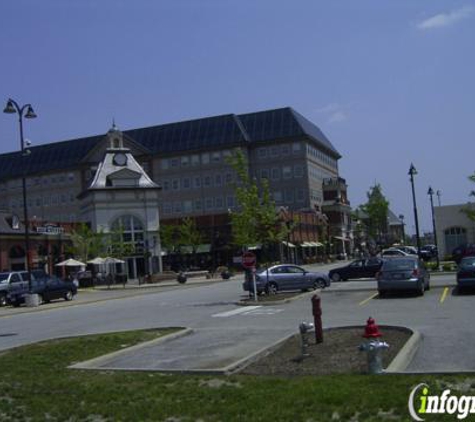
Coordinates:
[377,209]
[117,246]
[469,211]
[86,243]
[170,237]
[189,234]
[256,220]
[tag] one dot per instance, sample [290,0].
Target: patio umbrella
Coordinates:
[97,261]
[71,263]
[110,260]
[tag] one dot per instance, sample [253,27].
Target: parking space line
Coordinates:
[444,294]
[364,302]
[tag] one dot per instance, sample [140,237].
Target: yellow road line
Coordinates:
[368,299]
[444,294]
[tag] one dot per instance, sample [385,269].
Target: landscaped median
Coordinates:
[37,385]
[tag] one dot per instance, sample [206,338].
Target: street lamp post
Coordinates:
[430,192]
[26,111]
[412,173]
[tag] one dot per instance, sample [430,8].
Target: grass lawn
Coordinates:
[35,385]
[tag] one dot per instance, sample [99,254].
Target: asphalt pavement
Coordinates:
[226,335]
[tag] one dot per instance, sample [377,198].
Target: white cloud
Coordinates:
[334,112]
[337,116]
[446,19]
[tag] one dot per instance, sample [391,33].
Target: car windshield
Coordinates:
[399,264]
[468,262]
[3,276]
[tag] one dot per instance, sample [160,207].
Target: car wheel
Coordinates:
[420,292]
[3,300]
[336,277]
[319,283]
[68,295]
[272,289]
[16,304]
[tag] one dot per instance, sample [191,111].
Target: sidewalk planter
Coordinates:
[181,278]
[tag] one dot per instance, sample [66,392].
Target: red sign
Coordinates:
[248,260]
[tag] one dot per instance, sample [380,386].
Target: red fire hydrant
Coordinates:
[317,317]
[374,347]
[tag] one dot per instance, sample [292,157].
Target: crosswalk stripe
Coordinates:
[238,311]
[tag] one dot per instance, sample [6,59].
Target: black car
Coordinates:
[47,288]
[361,268]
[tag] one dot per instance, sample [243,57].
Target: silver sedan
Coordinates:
[286,277]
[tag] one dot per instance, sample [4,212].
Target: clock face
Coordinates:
[120,159]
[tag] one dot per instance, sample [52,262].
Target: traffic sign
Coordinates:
[248,260]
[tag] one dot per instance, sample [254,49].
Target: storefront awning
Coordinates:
[288,244]
[311,244]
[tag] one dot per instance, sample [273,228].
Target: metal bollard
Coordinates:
[304,328]
[317,317]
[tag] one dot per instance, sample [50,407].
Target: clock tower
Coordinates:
[122,197]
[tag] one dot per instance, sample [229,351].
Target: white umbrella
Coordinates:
[71,263]
[110,260]
[97,261]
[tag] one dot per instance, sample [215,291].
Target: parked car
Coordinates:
[463,250]
[392,252]
[286,277]
[11,280]
[466,273]
[361,268]
[48,288]
[411,250]
[403,273]
[428,252]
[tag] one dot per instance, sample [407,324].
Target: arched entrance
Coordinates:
[133,234]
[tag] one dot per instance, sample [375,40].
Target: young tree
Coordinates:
[86,243]
[257,220]
[170,237]
[189,234]
[377,210]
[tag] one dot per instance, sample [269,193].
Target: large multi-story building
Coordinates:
[188,160]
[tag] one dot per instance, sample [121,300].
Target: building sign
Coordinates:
[49,229]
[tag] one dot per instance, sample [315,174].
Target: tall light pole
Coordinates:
[412,173]
[430,192]
[26,111]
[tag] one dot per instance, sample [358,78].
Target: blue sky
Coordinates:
[389,82]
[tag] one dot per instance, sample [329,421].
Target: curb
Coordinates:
[406,354]
[94,363]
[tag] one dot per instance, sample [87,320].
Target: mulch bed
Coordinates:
[338,354]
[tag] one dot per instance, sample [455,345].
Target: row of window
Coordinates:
[194,160]
[275,151]
[199,205]
[317,173]
[197,182]
[321,156]
[289,196]
[45,201]
[57,179]
[285,172]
